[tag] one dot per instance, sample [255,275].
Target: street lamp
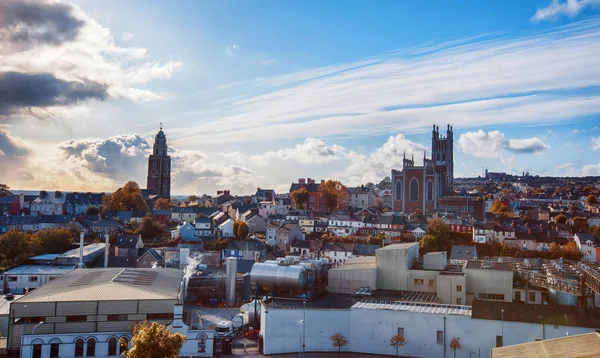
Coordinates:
[502,315]
[36,326]
[304,328]
[543,328]
[301,329]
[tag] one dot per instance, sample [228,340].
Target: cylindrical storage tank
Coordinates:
[270,262]
[247,291]
[231,279]
[282,277]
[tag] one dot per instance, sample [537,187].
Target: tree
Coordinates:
[4,190]
[555,250]
[332,191]
[498,207]
[127,198]
[192,198]
[561,219]
[377,240]
[300,197]
[571,252]
[595,230]
[438,229]
[16,246]
[162,204]
[428,244]
[455,345]
[339,341]
[591,199]
[92,210]
[54,240]
[149,229]
[580,221]
[154,340]
[397,341]
[240,229]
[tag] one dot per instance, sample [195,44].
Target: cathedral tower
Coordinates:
[159,167]
[442,155]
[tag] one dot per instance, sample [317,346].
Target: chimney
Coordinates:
[322,182]
[106,246]
[226,192]
[301,181]
[219,192]
[80,264]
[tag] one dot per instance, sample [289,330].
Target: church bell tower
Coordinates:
[159,167]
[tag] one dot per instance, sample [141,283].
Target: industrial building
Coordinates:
[89,310]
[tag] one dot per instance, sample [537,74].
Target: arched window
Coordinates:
[430,190]
[91,348]
[79,343]
[414,189]
[112,346]
[202,343]
[54,348]
[123,345]
[398,190]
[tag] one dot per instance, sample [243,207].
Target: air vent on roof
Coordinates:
[135,277]
[86,279]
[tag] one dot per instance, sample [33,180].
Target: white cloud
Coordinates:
[310,151]
[529,145]
[564,166]
[450,80]
[126,36]
[232,49]
[267,62]
[558,8]
[493,145]
[595,145]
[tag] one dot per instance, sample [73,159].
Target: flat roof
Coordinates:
[87,249]
[402,246]
[417,307]
[44,257]
[488,265]
[581,345]
[5,304]
[39,270]
[435,253]
[109,284]
[356,266]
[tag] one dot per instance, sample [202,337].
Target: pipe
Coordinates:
[80,264]
[231,280]
[106,247]
[444,337]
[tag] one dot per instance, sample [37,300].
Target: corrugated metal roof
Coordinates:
[581,345]
[431,308]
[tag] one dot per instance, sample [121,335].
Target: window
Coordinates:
[76,318]
[459,301]
[491,296]
[431,282]
[398,190]
[22,320]
[418,281]
[459,288]
[91,348]
[112,346]
[12,278]
[117,317]
[499,342]
[414,189]
[430,190]
[37,350]
[54,350]
[123,345]
[202,343]
[518,296]
[33,278]
[401,331]
[531,296]
[159,316]
[79,347]
[440,337]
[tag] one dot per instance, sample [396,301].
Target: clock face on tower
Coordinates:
[154,172]
[166,172]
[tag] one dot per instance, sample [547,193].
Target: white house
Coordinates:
[29,277]
[337,252]
[226,228]
[587,244]
[483,233]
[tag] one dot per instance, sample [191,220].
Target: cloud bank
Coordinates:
[558,8]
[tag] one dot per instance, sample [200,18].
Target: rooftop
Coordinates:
[488,265]
[87,250]
[39,270]
[403,246]
[432,308]
[581,345]
[109,284]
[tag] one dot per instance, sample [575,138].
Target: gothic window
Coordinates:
[430,190]
[398,190]
[91,348]
[153,165]
[414,189]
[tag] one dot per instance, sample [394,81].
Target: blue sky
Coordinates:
[259,93]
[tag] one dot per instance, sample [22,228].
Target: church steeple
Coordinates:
[160,143]
[159,166]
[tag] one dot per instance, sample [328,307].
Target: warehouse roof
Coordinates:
[39,270]
[417,307]
[402,246]
[109,284]
[581,345]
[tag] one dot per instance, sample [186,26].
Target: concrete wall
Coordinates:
[428,279]
[349,278]
[435,260]
[447,289]
[489,281]
[369,331]
[393,264]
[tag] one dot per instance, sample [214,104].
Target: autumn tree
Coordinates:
[498,207]
[397,341]
[332,191]
[154,340]
[54,240]
[595,230]
[439,229]
[580,221]
[300,197]
[127,198]
[428,244]
[192,198]
[555,250]
[4,190]
[339,341]
[571,252]
[149,228]
[16,246]
[92,210]
[591,199]
[240,229]
[561,219]
[162,204]
[455,345]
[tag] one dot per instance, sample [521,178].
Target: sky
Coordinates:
[261,93]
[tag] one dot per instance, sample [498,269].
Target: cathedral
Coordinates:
[159,167]
[419,188]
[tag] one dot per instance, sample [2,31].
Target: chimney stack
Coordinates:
[106,247]
[80,264]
